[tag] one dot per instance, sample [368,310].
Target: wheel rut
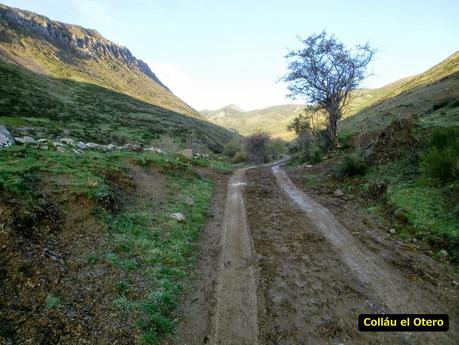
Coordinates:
[235,320]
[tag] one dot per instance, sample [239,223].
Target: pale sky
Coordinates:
[214,53]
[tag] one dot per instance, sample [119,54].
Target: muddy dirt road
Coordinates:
[283,270]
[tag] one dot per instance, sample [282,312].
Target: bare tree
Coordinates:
[325,72]
[257,144]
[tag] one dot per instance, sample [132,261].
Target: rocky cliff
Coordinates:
[59,49]
[84,43]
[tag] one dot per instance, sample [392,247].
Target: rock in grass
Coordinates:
[81,146]
[179,217]
[92,145]
[392,231]
[338,193]
[189,201]
[109,147]
[443,253]
[25,140]
[68,141]
[6,139]
[187,153]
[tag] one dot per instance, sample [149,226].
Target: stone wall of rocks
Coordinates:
[73,145]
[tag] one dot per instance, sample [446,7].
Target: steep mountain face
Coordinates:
[73,52]
[60,80]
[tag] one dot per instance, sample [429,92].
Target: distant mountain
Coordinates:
[79,81]
[369,109]
[273,119]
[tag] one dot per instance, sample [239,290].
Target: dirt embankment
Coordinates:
[56,285]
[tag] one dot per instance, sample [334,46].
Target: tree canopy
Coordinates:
[324,72]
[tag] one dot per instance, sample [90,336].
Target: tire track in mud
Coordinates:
[382,283]
[235,321]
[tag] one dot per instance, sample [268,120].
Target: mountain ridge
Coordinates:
[51,47]
[276,118]
[60,80]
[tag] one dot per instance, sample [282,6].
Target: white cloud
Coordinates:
[202,94]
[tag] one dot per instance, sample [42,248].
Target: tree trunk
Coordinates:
[334,114]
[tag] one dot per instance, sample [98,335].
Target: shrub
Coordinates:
[276,148]
[240,157]
[352,164]
[257,143]
[167,143]
[231,148]
[441,160]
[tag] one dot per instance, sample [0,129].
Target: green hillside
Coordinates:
[368,110]
[63,80]
[42,107]
[273,119]
[432,96]
[400,157]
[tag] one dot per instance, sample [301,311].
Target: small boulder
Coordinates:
[443,253]
[68,141]
[178,216]
[6,139]
[58,144]
[81,146]
[25,140]
[189,201]
[187,153]
[92,145]
[338,193]
[109,147]
[131,147]
[392,231]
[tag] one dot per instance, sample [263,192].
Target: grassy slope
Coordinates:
[273,119]
[369,109]
[138,240]
[51,91]
[423,95]
[34,52]
[50,107]
[427,208]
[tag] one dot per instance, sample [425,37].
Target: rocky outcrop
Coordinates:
[6,139]
[84,43]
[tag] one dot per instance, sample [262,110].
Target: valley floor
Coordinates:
[276,267]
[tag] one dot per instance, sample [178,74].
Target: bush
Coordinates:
[240,157]
[257,143]
[441,160]
[352,164]
[276,148]
[231,148]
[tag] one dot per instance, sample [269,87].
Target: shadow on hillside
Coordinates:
[40,105]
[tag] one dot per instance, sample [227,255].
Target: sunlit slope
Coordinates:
[432,96]
[63,80]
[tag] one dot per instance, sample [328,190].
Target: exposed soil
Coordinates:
[394,289]
[221,307]
[273,267]
[313,274]
[307,294]
[60,256]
